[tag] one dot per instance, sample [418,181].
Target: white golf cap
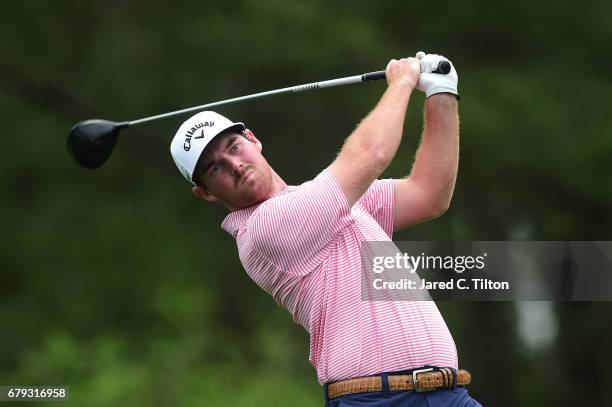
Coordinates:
[194,135]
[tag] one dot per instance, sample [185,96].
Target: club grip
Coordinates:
[373,76]
[444,67]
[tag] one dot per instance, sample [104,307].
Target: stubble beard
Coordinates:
[256,188]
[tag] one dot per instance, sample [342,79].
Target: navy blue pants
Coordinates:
[458,397]
[454,397]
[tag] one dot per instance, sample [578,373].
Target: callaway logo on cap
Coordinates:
[194,135]
[187,144]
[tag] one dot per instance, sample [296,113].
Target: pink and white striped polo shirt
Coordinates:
[302,247]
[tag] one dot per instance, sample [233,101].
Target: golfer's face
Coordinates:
[236,172]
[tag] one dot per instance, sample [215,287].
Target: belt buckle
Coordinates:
[415,381]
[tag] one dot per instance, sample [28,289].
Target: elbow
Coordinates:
[440,207]
[378,156]
[371,147]
[368,155]
[440,200]
[380,161]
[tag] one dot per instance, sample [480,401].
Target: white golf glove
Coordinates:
[432,83]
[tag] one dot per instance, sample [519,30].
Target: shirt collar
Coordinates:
[232,222]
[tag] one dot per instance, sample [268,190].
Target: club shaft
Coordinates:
[293,89]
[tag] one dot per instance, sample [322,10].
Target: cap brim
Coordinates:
[235,126]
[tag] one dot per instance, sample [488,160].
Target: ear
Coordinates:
[251,137]
[204,193]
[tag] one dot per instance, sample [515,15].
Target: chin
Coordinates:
[258,196]
[255,191]
[251,197]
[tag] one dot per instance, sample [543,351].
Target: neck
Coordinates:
[278,185]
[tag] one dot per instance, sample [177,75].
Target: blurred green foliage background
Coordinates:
[121,285]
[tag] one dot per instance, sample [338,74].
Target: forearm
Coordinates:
[373,144]
[437,158]
[378,136]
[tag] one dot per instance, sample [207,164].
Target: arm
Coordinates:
[426,193]
[283,228]
[370,148]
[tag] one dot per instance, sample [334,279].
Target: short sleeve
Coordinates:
[297,230]
[378,202]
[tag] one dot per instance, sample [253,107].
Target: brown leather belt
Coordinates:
[425,380]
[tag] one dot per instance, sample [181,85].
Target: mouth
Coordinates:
[246,176]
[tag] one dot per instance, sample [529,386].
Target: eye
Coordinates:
[214,169]
[236,147]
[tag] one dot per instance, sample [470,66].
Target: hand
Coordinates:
[405,71]
[432,83]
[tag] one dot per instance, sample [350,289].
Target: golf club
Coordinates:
[91,142]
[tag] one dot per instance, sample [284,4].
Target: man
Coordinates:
[301,244]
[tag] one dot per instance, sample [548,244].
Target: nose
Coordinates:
[235,165]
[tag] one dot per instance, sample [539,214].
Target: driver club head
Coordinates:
[91,142]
